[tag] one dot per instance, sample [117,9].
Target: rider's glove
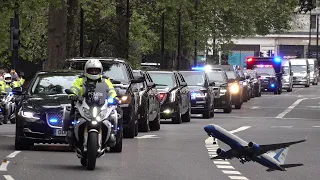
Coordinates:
[72,97]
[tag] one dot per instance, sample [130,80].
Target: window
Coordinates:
[313,21]
[116,72]
[193,78]
[163,79]
[216,77]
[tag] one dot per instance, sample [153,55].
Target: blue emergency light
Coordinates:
[197,68]
[53,120]
[272,85]
[277,59]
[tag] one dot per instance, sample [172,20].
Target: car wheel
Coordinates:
[187,116]
[177,118]
[229,108]
[155,124]
[207,113]
[130,132]
[238,106]
[144,122]
[21,145]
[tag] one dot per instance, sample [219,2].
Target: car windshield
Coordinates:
[216,77]
[285,70]
[231,75]
[193,78]
[299,68]
[164,79]
[269,71]
[52,84]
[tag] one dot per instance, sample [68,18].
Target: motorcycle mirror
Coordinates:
[68,91]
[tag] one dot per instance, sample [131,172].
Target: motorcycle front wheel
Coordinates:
[92,146]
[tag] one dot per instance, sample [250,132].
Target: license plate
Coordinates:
[59,132]
[193,96]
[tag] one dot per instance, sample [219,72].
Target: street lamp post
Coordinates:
[317,38]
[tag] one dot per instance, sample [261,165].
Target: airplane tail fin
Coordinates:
[281,155]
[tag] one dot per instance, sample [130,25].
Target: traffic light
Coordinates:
[14,34]
[269,53]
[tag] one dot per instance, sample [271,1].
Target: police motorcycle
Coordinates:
[94,114]
[7,106]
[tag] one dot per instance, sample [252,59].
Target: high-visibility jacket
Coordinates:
[22,81]
[77,87]
[5,85]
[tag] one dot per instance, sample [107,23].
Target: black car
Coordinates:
[268,79]
[174,95]
[202,92]
[118,70]
[39,115]
[256,83]
[235,88]
[221,80]
[149,104]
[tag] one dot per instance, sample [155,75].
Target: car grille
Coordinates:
[54,119]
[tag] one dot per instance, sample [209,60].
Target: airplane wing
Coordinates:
[273,147]
[230,154]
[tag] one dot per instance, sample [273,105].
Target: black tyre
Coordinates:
[238,106]
[21,144]
[155,124]
[229,108]
[144,121]
[187,116]
[83,162]
[92,150]
[177,119]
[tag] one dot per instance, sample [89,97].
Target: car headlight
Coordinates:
[245,83]
[30,115]
[234,89]
[223,91]
[124,99]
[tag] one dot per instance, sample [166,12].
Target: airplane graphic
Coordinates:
[265,155]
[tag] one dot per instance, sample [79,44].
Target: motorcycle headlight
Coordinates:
[30,115]
[102,115]
[234,89]
[87,112]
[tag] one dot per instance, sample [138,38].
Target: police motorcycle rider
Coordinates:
[92,73]
[7,83]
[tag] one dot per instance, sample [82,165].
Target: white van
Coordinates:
[287,76]
[314,71]
[301,72]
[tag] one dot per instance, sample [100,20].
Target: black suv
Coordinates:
[202,93]
[118,70]
[149,104]
[174,95]
[256,83]
[268,79]
[221,80]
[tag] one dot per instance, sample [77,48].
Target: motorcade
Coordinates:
[301,72]
[287,76]
[8,106]
[314,71]
[270,71]
[220,79]
[202,92]
[39,117]
[174,95]
[118,70]
[256,83]
[235,88]
[149,104]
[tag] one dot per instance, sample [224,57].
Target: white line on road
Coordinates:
[224,167]
[238,177]
[8,177]
[221,162]
[147,137]
[316,126]
[281,126]
[281,115]
[255,107]
[12,155]
[231,172]
[240,129]
[3,166]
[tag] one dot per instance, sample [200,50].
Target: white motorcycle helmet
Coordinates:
[93,69]
[7,78]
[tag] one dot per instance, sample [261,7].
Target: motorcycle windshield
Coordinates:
[96,94]
[7,90]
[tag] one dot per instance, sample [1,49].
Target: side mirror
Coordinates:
[212,83]
[242,79]
[231,80]
[68,91]
[115,81]
[151,85]
[184,84]
[247,76]
[138,79]
[17,90]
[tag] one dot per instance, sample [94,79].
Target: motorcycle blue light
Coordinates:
[53,120]
[118,128]
[272,85]
[10,93]
[277,59]
[110,100]
[75,122]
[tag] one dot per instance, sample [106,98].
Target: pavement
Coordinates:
[181,151]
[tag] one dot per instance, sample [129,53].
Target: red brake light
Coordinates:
[249,59]
[161,96]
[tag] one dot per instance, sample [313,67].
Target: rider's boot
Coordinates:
[70,138]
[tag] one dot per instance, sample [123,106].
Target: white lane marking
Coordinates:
[316,126]
[255,107]
[238,177]
[281,115]
[12,155]
[231,172]
[10,136]
[221,162]
[8,177]
[300,96]
[224,167]
[281,126]
[3,166]
[147,137]
[316,98]
[314,107]
[240,129]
